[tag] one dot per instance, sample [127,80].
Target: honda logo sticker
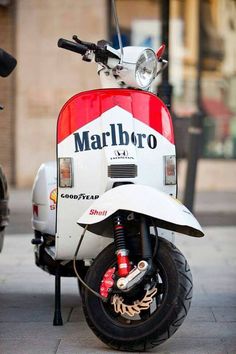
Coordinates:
[122,154]
[119,153]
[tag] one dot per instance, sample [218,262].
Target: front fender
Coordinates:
[168,212]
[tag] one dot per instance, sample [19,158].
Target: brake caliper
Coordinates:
[107,282]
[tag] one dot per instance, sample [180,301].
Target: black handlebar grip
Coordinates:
[74,47]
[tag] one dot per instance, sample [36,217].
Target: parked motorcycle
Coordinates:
[114,183]
[7,65]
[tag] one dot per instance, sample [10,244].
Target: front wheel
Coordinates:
[153,325]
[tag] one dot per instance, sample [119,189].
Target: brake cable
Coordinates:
[104,299]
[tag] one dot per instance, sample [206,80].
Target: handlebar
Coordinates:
[73,46]
[101,54]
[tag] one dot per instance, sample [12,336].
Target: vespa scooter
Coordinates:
[114,184]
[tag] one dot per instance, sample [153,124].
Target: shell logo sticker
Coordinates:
[98,212]
[53,198]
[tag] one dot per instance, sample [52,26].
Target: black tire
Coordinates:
[152,329]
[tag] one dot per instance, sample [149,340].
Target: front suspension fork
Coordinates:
[145,240]
[122,252]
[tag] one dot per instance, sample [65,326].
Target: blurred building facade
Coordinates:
[47,76]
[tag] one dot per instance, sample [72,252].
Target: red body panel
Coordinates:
[87,106]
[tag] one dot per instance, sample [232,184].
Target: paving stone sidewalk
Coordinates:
[26,298]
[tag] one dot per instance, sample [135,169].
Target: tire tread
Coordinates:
[182,305]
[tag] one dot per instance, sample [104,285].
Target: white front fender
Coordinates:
[168,212]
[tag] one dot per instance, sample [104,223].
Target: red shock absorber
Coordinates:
[120,247]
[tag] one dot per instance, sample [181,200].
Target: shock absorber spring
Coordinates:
[120,246]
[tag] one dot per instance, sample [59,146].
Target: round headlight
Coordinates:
[146,68]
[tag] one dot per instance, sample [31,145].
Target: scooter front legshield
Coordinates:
[168,212]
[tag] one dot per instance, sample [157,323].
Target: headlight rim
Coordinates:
[154,71]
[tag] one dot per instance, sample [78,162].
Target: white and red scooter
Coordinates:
[114,182]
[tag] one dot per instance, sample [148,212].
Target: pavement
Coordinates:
[27,293]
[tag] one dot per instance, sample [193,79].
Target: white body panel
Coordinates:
[44,198]
[91,177]
[145,200]
[45,219]
[114,139]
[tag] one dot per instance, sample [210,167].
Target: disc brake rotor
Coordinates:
[137,306]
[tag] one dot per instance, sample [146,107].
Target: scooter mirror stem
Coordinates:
[118,31]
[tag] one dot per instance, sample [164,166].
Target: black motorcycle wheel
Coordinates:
[153,326]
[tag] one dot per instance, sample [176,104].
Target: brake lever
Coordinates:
[90,46]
